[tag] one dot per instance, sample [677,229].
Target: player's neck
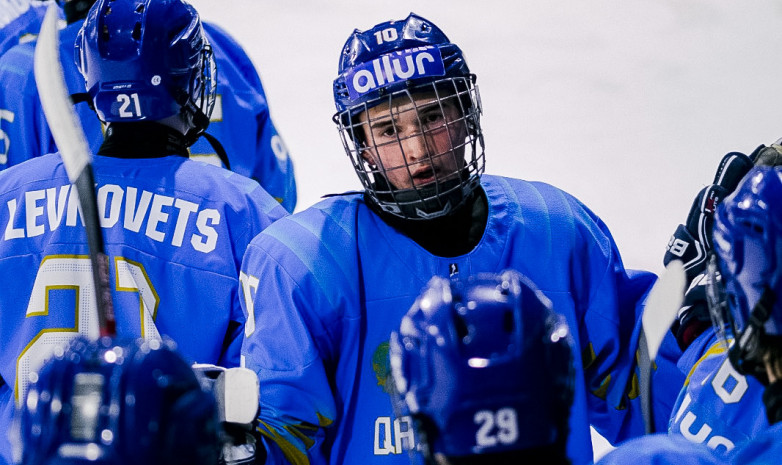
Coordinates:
[448,236]
[143,139]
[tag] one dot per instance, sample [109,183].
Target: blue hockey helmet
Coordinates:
[744,282]
[484,366]
[389,63]
[104,403]
[147,60]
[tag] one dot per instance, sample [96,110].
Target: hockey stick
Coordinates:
[662,306]
[75,153]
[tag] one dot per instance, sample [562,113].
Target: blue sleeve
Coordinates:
[235,53]
[286,344]
[297,316]
[24,131]
[277,175]
[22,28]
[260,212]
[717,406]
[609,301]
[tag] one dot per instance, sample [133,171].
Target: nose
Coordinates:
[416,147]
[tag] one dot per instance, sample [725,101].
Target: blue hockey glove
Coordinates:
[691,241]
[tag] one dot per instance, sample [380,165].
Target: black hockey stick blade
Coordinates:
[75,153]
[662,306]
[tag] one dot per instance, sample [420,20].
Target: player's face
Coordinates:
[415,140]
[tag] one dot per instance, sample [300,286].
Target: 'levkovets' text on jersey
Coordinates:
[174,230]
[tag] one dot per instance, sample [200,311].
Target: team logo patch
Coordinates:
[381,366]
[393,67]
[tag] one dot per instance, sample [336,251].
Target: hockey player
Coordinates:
[106,403]
[174,229]
[462,362]
[241,120]
[741,289]
[20,21]
[718,406]
[744,288]
[324,288]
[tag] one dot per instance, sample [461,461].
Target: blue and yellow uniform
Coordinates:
[325,287]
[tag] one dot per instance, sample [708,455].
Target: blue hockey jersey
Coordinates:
[240,120]
[717,406]
[175,231]
[324,288]
[764,449]
[660,449]
[20,21]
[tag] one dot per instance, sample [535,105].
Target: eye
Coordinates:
[432,119]
[389,131]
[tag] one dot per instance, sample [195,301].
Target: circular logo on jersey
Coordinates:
[381,366]
[156,80]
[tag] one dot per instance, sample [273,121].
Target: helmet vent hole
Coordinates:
[140,8]
[508,322]
[137,31]
[105,33]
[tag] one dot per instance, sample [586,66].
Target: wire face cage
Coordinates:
[418,152]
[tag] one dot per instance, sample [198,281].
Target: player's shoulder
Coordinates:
[525,188]
[532,196]
[219,183]
[703,354]
[19,21]
[332,219]
[219,37]
[224,44]
[44,168]
[18,60]
[228,52]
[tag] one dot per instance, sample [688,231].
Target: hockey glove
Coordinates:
[768,156]
[237,393]
[691,241]
[694,317]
